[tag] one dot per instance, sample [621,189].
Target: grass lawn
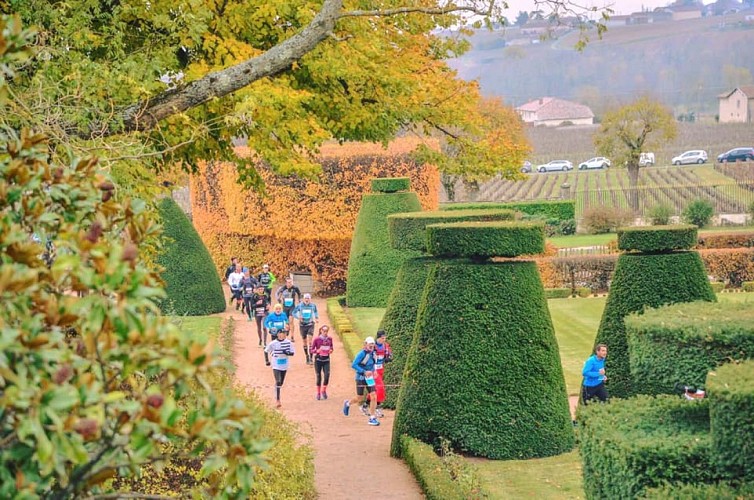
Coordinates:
[582,240]
[366,320]
[202,328]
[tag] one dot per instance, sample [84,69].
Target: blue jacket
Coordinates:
[277,321]
[591,371]
[307,313]
[363,362]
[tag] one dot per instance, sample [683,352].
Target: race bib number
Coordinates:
[260,311]
[324,349]
[306,314]
[288,301]
[369,381]
[278,325]
[378,365]
[281,362]
[248,291]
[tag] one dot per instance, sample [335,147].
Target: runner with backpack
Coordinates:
[383,354]
[363,364]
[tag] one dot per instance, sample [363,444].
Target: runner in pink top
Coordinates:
[322,347]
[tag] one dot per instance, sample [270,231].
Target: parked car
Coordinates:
[555,166]
[694,156]
[526,168]
[646,159]
[737,154]
[597,162]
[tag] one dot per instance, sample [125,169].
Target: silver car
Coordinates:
[598,162]
[555,166]
[698,156]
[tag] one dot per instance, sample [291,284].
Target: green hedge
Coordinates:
[191,282]
[373,263]
[339,321]
[748,286]
[485,239]
[408,230]
[719,491]
[391,184]
[681,343]
[628,446]
[399,320]
[657,238]
[557,293]
[561,210]
[484,370]
[641,281]
[731,393]
[717,287]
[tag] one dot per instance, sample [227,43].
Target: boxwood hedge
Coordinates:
[631,445]
[562,210]
[391,184]
[408,230]
[731,393]
[373,264]
[641,281]
[657,238]
[485,239]
[483,370]
[191,282]
[558,293]
[718,491]
[682,342]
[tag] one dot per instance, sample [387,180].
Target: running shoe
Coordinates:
[379,413]
[319,396]
[346,407]
[324,395]
[373,421]
[364,410]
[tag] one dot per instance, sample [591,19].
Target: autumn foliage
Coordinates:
[300,225]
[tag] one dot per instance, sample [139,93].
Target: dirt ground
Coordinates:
[350,456]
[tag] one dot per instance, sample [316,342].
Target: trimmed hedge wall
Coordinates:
[340,322]
[657,238]
[719,491]
[558,293]
[631,445]
[191,282]
[408,230]
[641,281]
[391,184]
[484,370]
[561,210]
[717,287]
[399,320]
[485,239]
[682,342]
[731,394]
[373,264]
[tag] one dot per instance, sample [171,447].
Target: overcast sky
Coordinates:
[619,6]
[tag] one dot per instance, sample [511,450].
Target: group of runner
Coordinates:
[277,315]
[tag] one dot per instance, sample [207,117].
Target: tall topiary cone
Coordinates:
[483,371]
[407,231]
[373,264]
[656,269]
[191,282]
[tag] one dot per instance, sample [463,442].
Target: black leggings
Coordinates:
[247,306]
[260,330]
[320,366]
[279,379]
[598,391]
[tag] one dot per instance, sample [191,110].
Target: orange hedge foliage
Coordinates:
[299,224]
[725,240]
[731,266]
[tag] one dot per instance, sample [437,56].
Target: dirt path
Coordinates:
[349,454]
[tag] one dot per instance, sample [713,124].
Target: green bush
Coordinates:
[748,286]
[699,212]
[391,184]
[731,395]
[191,282]
[660,214]
[657,238]
[718,491]
[339,321]
[485,239]
[408,230]
[679,344]
[373,263]
[628,446]
[560,210]
[568,227]
[399,320]
[478,374]
[557,293]
[583,291]
[601,220]
[717,287]
[641,281]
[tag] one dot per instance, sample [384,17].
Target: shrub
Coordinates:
[748,286]
[492,411]
[352,342]
[717,287]
[718,491]
[391,184]
[557,293]
[192,285]
[660,214]
[725,240]
[657,238]
[600,220]
[731,395]
[699,212]
[583,291]
[485,239]
[631,445]
[373,263]
[560,210]
[679,344]
[568,227]
[731,266]
[641,281]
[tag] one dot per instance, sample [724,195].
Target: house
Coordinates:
[684,12]
[737,105]
[552,112]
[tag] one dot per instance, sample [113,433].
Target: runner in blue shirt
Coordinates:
[363,364]
[306,314]
[594,375]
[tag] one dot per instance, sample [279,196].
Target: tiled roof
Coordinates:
[551,108]
[748,91]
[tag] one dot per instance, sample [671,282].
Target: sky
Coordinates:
[619,6]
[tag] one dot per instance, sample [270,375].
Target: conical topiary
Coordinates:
[483,371]
[191,282]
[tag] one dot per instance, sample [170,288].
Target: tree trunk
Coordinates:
[448,182]
[633,187]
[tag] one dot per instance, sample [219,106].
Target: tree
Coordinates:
[628,131]
[522,18]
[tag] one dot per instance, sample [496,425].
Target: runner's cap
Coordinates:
[307,295]
[369,340]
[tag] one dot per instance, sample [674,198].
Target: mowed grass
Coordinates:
[200,328]
[366,320]
[589,240]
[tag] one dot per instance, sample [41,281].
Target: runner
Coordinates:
[279,351]
[322,347]
[267,279]
[248,284]
[287,295]
[384,354]
[363,363]
[234,280]
[261,306]
[231,268]
[307,316]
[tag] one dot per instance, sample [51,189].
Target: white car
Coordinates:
[555,166]
[694,156]
[597,162]
[646,159]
